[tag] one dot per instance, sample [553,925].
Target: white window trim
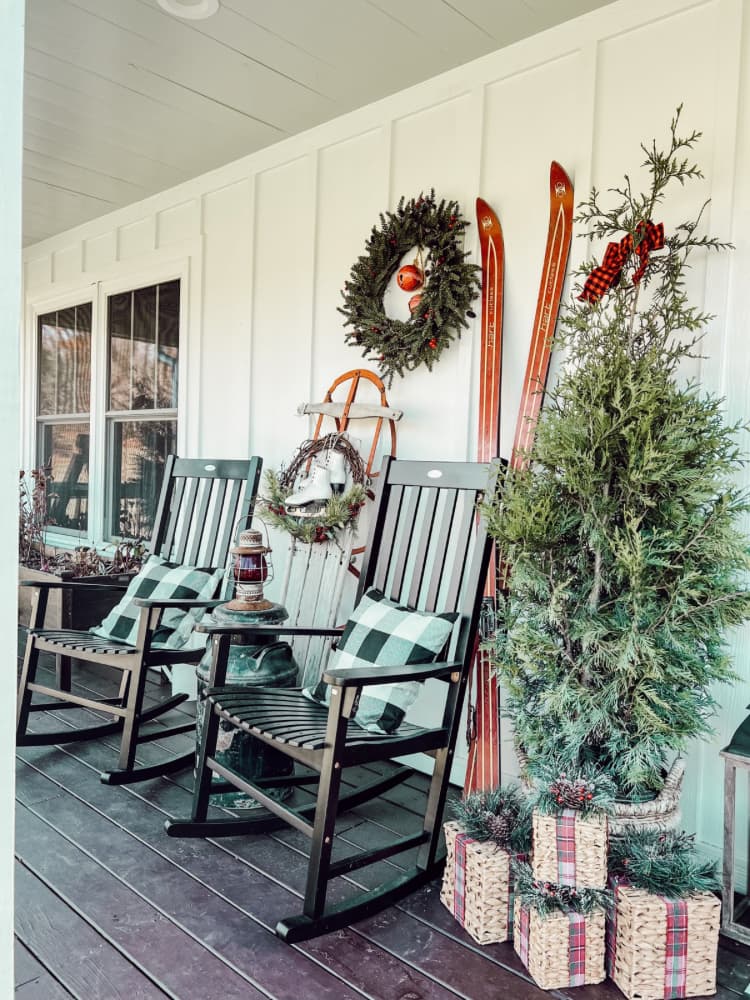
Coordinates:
[97,292]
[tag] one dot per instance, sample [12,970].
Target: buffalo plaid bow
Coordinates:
[607,275]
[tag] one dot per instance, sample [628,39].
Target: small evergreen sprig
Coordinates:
[549,897]
[584,789]
[501,815]
[666,863]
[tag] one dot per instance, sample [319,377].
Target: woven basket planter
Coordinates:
[561,949]
[660,948]
[477,886]
[570,849]
[660,813]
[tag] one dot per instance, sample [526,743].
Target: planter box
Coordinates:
[570,849]
[561,949]
[477,886]
[659,948]
[68,609]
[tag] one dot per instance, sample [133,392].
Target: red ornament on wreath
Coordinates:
[410,277]
[414,303]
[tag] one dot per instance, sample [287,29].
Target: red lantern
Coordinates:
[409,278]
[250,569]
[414,303]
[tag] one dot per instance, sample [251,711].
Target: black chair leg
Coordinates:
[28,675]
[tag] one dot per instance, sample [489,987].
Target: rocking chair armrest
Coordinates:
[173,603]
[71,585]
[261,630]
[365,676]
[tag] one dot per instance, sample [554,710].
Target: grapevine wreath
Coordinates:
[444,283]
[339,512]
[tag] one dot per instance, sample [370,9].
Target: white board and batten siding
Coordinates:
[264,244]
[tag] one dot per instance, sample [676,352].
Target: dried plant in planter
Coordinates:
[124,557]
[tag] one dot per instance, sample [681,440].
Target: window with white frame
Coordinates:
[141,339]
[64,402]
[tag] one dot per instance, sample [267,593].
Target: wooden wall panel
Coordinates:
[223,349]
[282,313]
[181,222]
[352,189]
[136,238]
[100,252]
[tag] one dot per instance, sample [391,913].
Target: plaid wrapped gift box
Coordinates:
[663,949]
[561,949]
[478,885]
[570,849]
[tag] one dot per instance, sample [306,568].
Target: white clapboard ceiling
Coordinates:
[123,99]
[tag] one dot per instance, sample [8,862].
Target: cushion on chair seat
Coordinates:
[382,633]
[162,580]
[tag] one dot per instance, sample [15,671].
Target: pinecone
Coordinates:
[498,827]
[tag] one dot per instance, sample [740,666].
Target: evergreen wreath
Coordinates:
[549,897]
[666,863]
[442,306]
[501,815]
[339,512]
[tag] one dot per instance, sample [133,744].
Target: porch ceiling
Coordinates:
[122,99]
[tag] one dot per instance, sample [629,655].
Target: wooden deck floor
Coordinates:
[109,907]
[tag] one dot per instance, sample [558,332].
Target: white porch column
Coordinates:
[11,108]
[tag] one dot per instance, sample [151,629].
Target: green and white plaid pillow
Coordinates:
[161,579]
[383,634]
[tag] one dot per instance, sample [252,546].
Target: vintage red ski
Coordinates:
[483,769]
[547,307]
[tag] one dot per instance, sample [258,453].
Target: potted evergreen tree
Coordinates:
[622,535]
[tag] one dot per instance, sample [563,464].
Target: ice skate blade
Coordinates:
[312,509]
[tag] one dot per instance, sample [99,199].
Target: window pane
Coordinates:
[169,331]
[118,321]
[144,348]
[65,449]
[65,361]
[82,400]
[139,450]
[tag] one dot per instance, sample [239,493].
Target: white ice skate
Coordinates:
[313,494]
[336,465]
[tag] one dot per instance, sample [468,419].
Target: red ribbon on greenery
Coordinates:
[649,236]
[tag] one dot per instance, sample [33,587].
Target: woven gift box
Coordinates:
[663,948]
[570,849]
[478,885]
[561,949]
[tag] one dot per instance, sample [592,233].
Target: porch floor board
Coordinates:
[108,906]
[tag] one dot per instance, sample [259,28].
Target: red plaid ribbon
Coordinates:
[576,943]
[459,881]
[676,944]
[523,931]
[611,952]
[577,949]
[675,959]
[649,237]
[565,834]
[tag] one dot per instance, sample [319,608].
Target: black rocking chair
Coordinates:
[200,505]
[427,550]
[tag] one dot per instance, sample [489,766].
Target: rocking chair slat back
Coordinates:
[206,508]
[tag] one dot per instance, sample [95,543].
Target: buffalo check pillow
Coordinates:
[383,634]
[159,579]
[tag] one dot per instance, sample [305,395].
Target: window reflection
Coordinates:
[139,451]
